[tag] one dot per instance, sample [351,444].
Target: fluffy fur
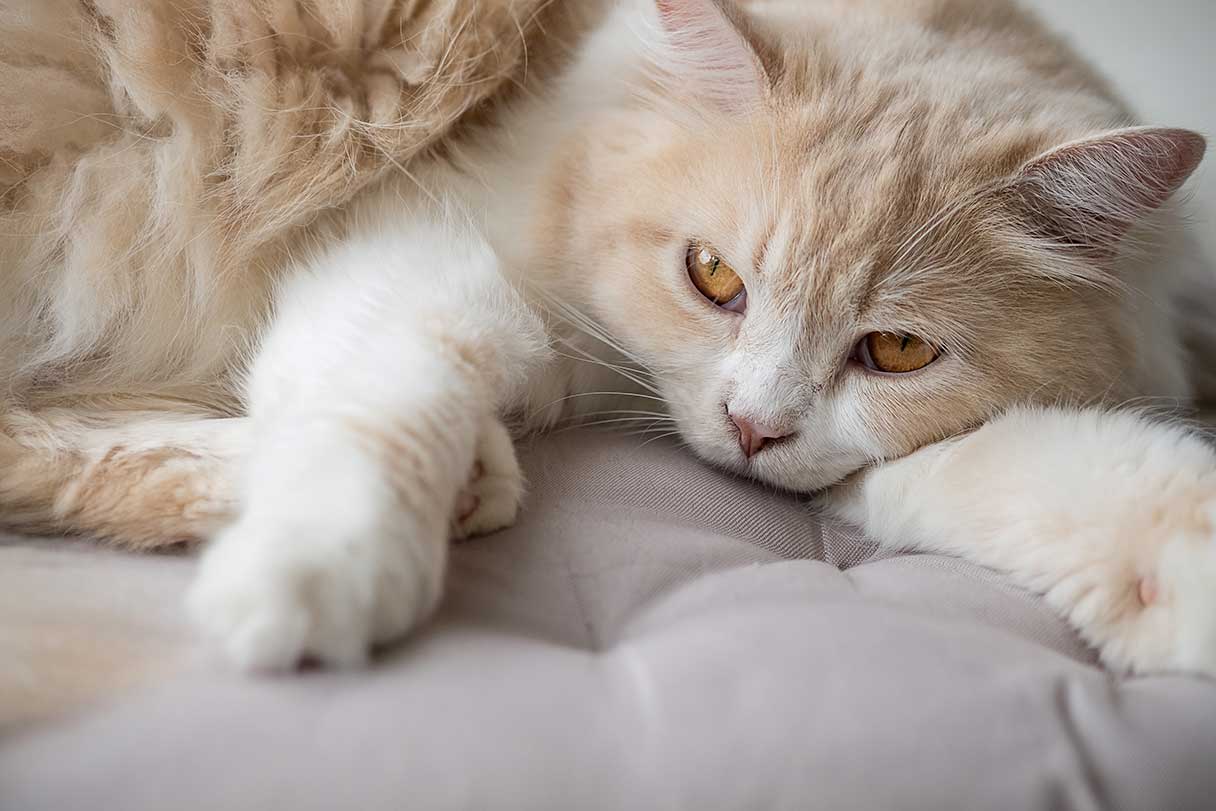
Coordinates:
[159,161]
[375,315]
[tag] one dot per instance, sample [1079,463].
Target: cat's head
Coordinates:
[836,241]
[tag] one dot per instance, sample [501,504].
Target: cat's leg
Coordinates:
[378,387]
[145,479]
[139,479]
[1110,515]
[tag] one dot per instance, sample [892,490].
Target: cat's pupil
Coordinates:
[904,345]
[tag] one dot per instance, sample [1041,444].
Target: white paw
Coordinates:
[276,593]
[1170,623]
[491,499]
[1187,590]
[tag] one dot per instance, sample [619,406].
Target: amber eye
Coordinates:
[895,353]
[716,280]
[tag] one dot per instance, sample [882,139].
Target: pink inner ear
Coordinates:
[707,55]
[1144,167]
[1088,194]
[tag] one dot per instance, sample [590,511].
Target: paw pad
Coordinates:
[467,506]
[1149,590]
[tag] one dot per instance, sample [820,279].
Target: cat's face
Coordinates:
[822,278]
[806,298]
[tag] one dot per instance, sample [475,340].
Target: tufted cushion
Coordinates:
[652,635]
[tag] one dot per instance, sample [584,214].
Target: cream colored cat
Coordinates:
[904,253]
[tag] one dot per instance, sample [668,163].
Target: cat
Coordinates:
[909,256]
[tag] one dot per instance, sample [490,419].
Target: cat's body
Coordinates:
[938,170]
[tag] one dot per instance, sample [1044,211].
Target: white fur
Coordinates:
[340,547]
[1082,506]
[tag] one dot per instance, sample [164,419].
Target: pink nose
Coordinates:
[753,436]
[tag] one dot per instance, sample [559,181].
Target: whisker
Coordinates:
[662,436]
[587,325]
[604,394]
[653,414]
[625,372]
[615,421]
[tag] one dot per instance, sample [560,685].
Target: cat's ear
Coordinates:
[1085,196]
[704,54]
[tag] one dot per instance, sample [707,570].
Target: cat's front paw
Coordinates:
[492,498]
[1164,621]
[275,594]
[1174,630]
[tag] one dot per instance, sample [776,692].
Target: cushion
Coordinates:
[653,634]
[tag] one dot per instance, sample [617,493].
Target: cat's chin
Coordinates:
[812,481]
[783,468]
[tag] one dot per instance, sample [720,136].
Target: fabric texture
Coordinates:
[653,634]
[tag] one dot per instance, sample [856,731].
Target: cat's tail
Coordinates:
[140,480]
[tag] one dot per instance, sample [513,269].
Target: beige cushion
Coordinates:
[652,635]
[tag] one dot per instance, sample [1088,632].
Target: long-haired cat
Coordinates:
[898,252]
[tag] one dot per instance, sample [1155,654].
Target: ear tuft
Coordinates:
[705,55]
[1085,196]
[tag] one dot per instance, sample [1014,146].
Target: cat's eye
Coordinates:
[895,353]
[715,279]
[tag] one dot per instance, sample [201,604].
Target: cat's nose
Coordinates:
[753,436]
